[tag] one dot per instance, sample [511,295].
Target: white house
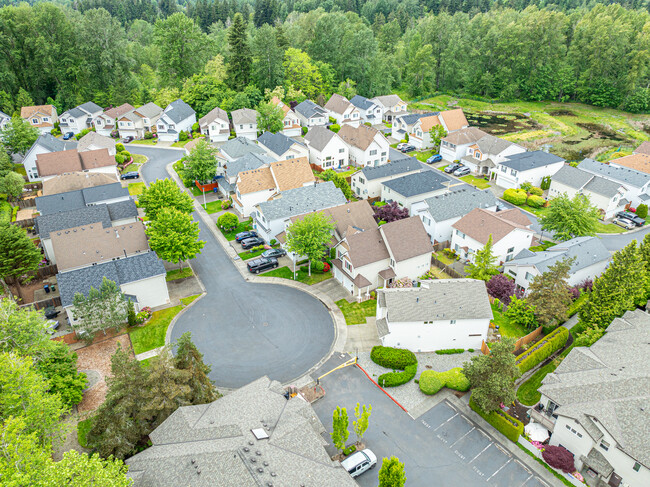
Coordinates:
[45,144]
[605,194]
[339,108]
[244,121]
[451,120]
[290,123]
[216,125]
[413,188]
[310,114]
[391,106]
[139,121]
[403,124]
[367,182]
[79,118]
[106,122]
[455,146]
[488,151]
[4,120]
[595,404]
[440,212]
[94,141]
[529,167]
[636,183]
[591,259]
[367,145]
[440,314]
[279,146]
[176,118]
[52,164]
[370,111]
[375,257]
[510,231]
[43,117]
[231,169]
[326,148]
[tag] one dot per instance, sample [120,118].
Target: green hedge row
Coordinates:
[392,358]
[550,344]
[515,196]
[431,381]
[510,427]
[450,351]
[394,379]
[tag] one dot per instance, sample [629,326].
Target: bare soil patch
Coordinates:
[562,113]
[501,123]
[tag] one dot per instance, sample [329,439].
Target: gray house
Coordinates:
[412,188]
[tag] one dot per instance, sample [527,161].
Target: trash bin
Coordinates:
[46,287]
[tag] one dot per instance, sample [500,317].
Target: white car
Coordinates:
[401,145]
[359,462]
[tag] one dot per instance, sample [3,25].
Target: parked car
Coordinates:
[452,167]
[243,235]
[68,135]
[359,462]
[259,265]
[127,139]
[628,215]
[130,175]
[624,222]
[408,148]
[462,171]
[248,243]
[434,158]
[401,145]
[274,253]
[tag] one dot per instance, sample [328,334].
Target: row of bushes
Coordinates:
[510,427]
[394,379]
[450,351]
[392,358]
[520,197]
[431,381]
[549,345]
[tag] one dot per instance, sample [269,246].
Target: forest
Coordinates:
[228,52]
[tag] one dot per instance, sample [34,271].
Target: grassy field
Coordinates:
[136,188]
[480,183]
[152,335]
[144,141]
[356,313]
[212,207]
[176,274]
[506,328]
[242,227]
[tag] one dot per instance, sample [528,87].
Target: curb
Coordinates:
[148,146]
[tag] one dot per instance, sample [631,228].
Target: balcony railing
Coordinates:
[545,418]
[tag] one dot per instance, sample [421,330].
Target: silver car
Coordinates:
[624,222]
[359,462]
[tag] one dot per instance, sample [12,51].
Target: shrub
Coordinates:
[392,358]
[535,201]
[349,450]
[227,221]
[431,381]
[642,210]
[546,183]
[559,457]
[318,266]
[521,313]
[450,351]
[196,127]
[536,191]
[126,155]
[226,204]
[304,130]
[326,267]
[549,345]
[332,120]
[273,242]
[586,285]
[148,135]
[515,196]
[119,147]
[394,379]
[182,136]
[510,427]
[501,287]
[574,292]
[335,127]
[119,158]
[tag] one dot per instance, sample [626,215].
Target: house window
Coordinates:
[529,276]
[392,263]
[383,154]
[341,151]
[637,466]
[503,169]
[604,445]
[347,265]
[513,172]
[510,250]
[426,220]
[250,126]
[512,273]
[452,322]
[34,121]
[373,152]
[456,248]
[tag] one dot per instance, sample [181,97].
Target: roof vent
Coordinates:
[246,449]
[417,299]
[260,434]
[251,442]
[260,469]
[258,453]
[253,460]
[273,474]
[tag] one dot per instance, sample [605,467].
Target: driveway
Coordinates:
[442,444]
[245,330]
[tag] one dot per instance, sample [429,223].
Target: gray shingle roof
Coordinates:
[309,109]
[73,218]
[3,115]
[394,155]
[122,210]
[603,186]
[52,144]
[72,200]
[318,137]
[459,203]
[277,143]
[96,140]
[214,114]
[576,178]
[489,144]
[149,110]
[610,381]
[91,107]
[247,163]
[244,115]
[526,161]
[76,113]
[239,147]
[361,102]
[419,183]
[392,168]
[411,118]
[438,300]
[120,271]
[303,200]
[622,174]
[178,111]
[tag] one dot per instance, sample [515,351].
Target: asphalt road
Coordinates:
[245,330]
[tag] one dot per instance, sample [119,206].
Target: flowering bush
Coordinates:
[144,314]
[586,285]
[574,292]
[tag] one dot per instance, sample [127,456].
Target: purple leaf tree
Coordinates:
[501,287]
[559,457]
[391,212]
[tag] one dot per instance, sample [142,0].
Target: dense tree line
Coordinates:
[228,52]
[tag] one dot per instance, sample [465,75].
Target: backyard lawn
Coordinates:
[212,207]
[152,335]
[527,393]
[242,227]
[136,188]
[439,273]
[356,313]
[443,258]
[20,169]
[543,246]
[176,274]
[480,183]
[506,328]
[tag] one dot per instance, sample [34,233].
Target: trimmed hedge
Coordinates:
[431,381]
[510,427]
[549,345]
[515,196]
[392,358]
[536,191]
[535,201]
[450,351]
[394,379]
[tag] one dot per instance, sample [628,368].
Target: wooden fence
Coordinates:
[46,271]
[484,348]
[27,203]
[438,246]
[28,222]
[446,269]
[55,301]
[528,338]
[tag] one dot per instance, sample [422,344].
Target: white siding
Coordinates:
[150,292]
[517,240]
[509,178]
[439,335]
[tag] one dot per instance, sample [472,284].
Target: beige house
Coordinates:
[391,106]
[107,122]
[216,125]
[290,122]
[139,121]
[341,110]
[67,161]
[43,117]
[367,145]
[94,141]
[451,120]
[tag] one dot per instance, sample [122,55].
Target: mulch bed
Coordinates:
[312,393]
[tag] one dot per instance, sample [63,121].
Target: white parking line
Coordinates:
[442,424]
[462,437]
[498,470]
[480,453]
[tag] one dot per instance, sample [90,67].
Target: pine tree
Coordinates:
[24,99]
[240,63]
[189,358]
[484,265]
[549,293]
[18,254]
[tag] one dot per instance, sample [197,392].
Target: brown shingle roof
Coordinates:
[55,163]
[119,111]
[454,119]
[468,135]
[212,115]
[337,103]
[255,180]
[366,247]
[75,181]
[479,224]
[278,103]
[292,173]
[28,112]
[426,123]
[406,238]
[644,148]
[360,137]
[94,159]
[638,162]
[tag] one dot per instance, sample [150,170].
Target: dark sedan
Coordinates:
[68,135]
[251,242]
[130,175]
[262,264]
[452,167]
[244,235]
[408,148]
[274,253]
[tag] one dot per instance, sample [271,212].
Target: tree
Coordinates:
[19,135]
[520,312]
[201,164]
[392,473]
[549,293]
[6,166]
[559,457]
[269,117]
[174,236]
[189,358]
[58,364]
[22,330]
[18,254]
[102,309]
[390,212]
[23,459]
[309,236]
[493,376]
[164,194]
[484,265]
[347,88]
[23,99]
[339,181]
[340,431]
[642,210]
[569,218]
[437,133]
[363,418]
[240,61]
[12,184]
[81,470]
[267,57]
[302,73]
[228,221]
[501,287]
[589,336]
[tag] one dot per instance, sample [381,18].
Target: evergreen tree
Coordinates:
[549,293]
[281,37]
[189,358]
[24,99]
[240,61]
[18,254]
[484,265]
[391,473]
[102,309]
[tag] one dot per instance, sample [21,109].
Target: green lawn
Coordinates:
[181,143]
[83,427]
[136,188]
[356,313]
[212,207]
[349,172]
[608,228]
[144,141]
[443,258]
[506,328]
[20,169]
[442,168]
[5,211]
[196,191]
[176,274]
[301,275]
[480,183]
[152,335]
[249,255]
[283,272]
[527,393]
[186,301]
[242,227]
[424,155]
[535,211]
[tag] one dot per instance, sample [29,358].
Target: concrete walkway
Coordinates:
[148,354]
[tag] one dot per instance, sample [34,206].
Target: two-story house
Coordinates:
[488,151]
[529,167]
[49,165]
[434,316]
[440,212]
[244,122]
[177,117]
[367,145]
[310,114]
[94,141]
[367,182]
[595,404]
[4,120]
[216,125]
[43,117]
[105,123]
[279,146]
[455,145]
[45,144]
[231,170]
[372,258]
[234,149]
[290,123]
[451,120]
[509,229]
[326,148]
[391,106]
[79,118]
[370,111]
[403,124]
[340,109]
[137,122]
[413,188]
[636,183]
